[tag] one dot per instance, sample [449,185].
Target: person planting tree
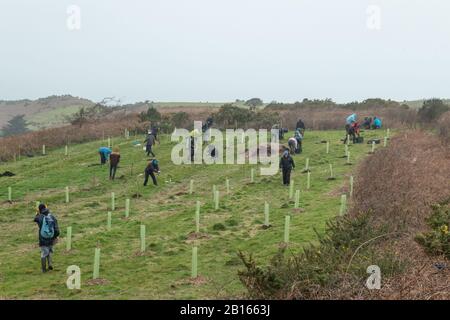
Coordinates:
[150,170]
[114,159]
[286,165]
[376,123]
[292,143]
[48,233]
[104,154]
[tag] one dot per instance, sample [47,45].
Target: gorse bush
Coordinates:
[340,259]
[437,240]
[150,115]
[230,116]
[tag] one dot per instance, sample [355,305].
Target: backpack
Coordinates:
[48,227]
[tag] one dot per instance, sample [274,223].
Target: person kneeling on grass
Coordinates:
[114,159]
[152,167]
[286,165]
[48,233]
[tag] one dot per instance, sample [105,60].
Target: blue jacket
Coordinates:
[106,151]
[377,122]
[351,119]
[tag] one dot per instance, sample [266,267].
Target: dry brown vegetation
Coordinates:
[398,185]
[334,118]
[31,143]
[394,192]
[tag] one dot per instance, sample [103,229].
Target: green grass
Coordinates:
[163,272]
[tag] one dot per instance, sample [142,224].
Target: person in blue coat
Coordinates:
[351,119]
[377,123]
[104,154]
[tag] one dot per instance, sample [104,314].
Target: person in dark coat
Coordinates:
[47,237]
[286,165]
[150,170]
[300,126]
[114,159]
[151,140]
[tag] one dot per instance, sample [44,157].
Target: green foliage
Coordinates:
[88,114]
[432,109]
[16,125]
[328,103]
[180,119]
[219,227]
[322,265]
[437,240]
[229,115]
[150,115]
[254,102]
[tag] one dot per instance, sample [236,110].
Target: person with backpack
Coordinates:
[104,154]
[151,140]
[48,233]
[286,165]
[114,159]
[150,170]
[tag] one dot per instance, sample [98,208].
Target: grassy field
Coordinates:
[163,271]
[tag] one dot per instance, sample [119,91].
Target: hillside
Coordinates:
[53,111]
[163,271]
[43,112]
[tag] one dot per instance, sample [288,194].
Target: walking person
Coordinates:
[48,233]
[150,170]
[104,154]
[300,126]
[286,165]
[114,159]
[151,140]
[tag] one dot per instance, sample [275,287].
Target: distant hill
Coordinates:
[43,112]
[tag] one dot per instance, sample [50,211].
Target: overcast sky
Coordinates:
[221,50]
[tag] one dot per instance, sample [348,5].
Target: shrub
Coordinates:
[400,182]
[180,119]
[432,109]
[219,227]
[443,127]
[437,240]
[319,268]
[151,114]
[31,143]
